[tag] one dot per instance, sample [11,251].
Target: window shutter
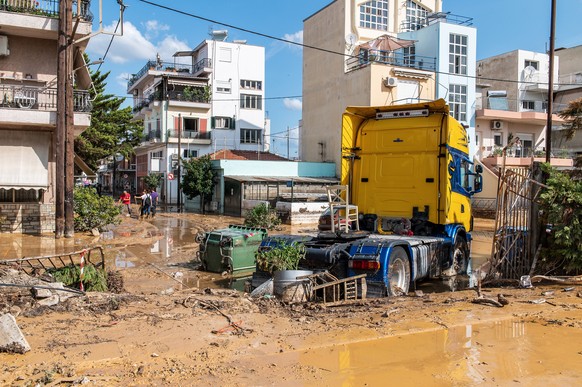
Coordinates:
[203,125]
[232,123]
[176,123]
[212,122]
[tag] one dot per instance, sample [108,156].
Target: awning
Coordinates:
[24,159]
[283,179]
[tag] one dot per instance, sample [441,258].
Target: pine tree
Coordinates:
[112,131]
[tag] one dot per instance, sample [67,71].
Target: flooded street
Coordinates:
[172,325]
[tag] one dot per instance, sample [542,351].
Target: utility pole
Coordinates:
[178,175]
[288,143]
[69,171]
[61,124]
[550,85]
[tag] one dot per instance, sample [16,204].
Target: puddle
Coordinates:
[503,352]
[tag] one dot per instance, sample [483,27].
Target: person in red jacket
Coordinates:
[125,199]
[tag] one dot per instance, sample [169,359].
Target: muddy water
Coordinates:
[502,353]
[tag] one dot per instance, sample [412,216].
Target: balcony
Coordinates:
[189,134]
[176,69]
[516,105]
[524,157]
[436,17]
[40,98]
[392,58]
[46,8]
[188,94]
[153,136]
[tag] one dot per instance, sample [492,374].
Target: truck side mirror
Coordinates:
[478,183]
[478,169]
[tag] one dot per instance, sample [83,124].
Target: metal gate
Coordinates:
[516,234]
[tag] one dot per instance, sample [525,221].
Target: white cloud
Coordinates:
[169,45]
[133,45]
[278,46]
[293,103]
[296,37]
[153,28]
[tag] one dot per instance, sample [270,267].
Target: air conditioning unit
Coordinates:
[390,82]
[496,125]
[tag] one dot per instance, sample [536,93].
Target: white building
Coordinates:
[206,99]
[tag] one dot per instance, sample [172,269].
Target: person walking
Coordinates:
[155,198]
[146,203]
[125,199]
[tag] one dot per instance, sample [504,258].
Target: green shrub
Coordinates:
[282,257]
[261,216]
[561,205]
[94,211]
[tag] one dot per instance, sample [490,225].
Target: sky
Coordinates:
[502,26]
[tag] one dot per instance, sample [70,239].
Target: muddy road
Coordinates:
[175,325]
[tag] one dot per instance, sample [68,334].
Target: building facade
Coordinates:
[206,99]
[28,109]
[513,105]
[569,89]
[379,53]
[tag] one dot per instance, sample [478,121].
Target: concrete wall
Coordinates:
[274,168]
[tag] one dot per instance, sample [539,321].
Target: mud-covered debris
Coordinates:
[548,293]
[419,293]
[389,312]
[568,289]
[538,301]
[11,338]
[487,301]
[502,300]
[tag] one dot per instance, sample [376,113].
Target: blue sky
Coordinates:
[502,26]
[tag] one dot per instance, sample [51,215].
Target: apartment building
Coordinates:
[377,53]
[569,89]
[28,108]
[513,105]
[203,100]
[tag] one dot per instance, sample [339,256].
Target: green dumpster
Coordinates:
[231,250]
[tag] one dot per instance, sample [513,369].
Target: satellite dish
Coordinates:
[528,71]
[351,39]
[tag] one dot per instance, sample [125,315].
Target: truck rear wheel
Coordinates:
[460,255]
[398,272]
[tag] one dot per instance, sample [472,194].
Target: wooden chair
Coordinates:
[339,201]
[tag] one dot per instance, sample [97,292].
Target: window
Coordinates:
[223,90]
[188,153]
[374,15]
[157,155]
[532,63]
[250,136]
[249,101]
[458,102]
[497,139]
[223,122]
[190,124]
[21,195]
[457,54]
[252,85]
[409,55]
[415,16]
[528,105]
[224,54]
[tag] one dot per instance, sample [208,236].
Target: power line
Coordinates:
[109,46]
[324,49]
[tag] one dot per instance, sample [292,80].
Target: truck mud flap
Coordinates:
[376,289]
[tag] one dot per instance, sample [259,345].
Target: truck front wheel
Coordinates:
[398,272]
[460,256]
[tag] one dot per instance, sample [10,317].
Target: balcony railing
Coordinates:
[393,58]
[182,70]
[47,8]
[204,63]
[513,105]
[39,98]
[153,135]
[190,134]
[437,17]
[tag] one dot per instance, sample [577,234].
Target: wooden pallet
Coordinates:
[330,290]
